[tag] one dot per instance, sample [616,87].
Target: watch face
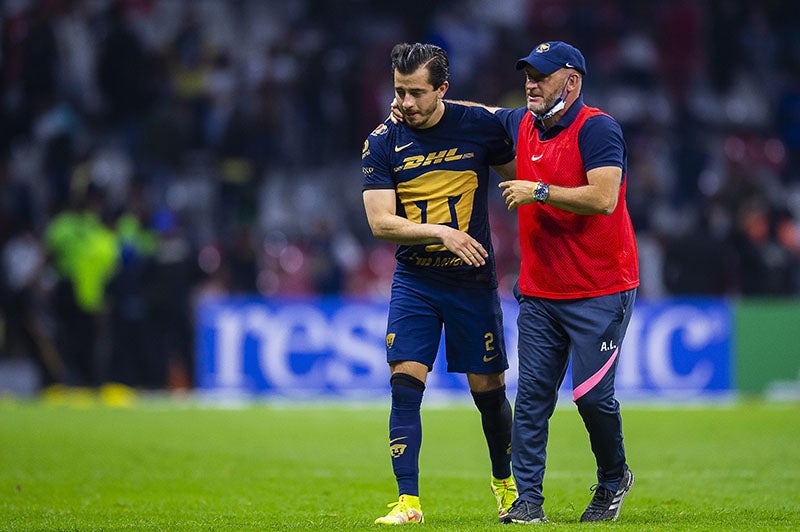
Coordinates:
[541,192]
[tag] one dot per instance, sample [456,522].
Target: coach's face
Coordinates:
[542,90]
[418,100]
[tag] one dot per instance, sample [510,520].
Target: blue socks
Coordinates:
[405,431]
[496,420]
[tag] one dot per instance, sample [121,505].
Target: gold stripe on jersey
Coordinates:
[438,196]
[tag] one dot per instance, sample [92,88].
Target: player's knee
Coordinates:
[406,380]
[479,383]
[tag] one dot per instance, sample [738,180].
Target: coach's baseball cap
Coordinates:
[553,55]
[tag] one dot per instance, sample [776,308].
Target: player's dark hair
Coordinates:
[407,58]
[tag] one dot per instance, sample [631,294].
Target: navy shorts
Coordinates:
[471,316]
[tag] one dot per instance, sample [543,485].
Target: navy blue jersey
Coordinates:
[440,175]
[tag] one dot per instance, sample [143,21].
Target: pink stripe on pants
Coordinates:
[592,381]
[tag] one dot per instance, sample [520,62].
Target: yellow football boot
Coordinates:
[405,511]
[505,492]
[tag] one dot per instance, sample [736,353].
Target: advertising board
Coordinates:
[330,347]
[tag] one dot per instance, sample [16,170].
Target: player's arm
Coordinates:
[380,206]
[598,196]
[507,171]
[468,103]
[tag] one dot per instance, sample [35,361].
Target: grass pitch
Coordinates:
[179,465]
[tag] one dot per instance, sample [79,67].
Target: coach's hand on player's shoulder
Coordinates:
[464,246]
[517,192]
[394,113]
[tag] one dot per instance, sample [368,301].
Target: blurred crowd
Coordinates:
[157,152]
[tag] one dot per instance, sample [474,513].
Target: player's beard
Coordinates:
[421,117]
[417,120]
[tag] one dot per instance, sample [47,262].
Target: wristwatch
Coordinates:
[541,192]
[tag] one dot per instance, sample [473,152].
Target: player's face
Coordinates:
[542,90]
[419,101]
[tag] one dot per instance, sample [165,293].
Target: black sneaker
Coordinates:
[524,512]
[606,504]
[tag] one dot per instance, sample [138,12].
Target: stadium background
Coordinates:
[158,155]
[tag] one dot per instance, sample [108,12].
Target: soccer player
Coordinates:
[425,188]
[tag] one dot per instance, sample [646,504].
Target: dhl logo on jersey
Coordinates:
[434,157]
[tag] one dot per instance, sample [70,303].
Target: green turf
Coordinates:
[166,465]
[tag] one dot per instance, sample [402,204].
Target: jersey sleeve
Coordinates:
[601,143]
[499,143]
[375,163]
[511,119]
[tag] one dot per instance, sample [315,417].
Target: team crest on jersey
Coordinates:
[380,130]
[390,340]
[365,149]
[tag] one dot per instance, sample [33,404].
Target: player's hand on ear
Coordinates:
[394,113]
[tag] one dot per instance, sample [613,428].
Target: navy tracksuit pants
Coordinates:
[590,331]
